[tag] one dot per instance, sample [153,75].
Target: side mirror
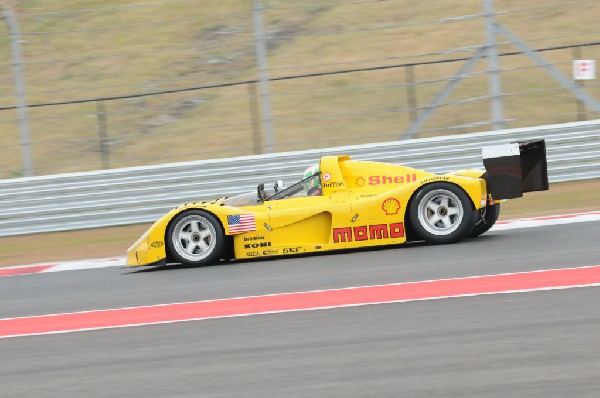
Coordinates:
[260,189]
[278,185]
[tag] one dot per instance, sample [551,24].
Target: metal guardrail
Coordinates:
[142,194]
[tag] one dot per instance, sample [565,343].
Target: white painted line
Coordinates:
[87,264]
[546,221]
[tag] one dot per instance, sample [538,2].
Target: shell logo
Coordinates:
[360,182]
[391,206]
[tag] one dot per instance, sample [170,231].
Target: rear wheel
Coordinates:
[486,219]
[442,213]
[195,237]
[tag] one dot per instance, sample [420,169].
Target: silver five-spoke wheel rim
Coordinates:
[440,212]
[194,237]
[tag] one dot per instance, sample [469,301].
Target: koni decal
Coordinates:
[391,206]
[368,232]
[257,245]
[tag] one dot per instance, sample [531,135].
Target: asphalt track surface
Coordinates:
[537,344]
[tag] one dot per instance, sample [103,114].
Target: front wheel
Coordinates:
[442,213]
[195,237]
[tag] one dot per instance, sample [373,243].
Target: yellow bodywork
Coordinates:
[363,204]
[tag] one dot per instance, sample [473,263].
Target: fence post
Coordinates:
[261,59]
[103,135]
[493,68]
[411,93]
[15,44]
[581,113]
[254,119]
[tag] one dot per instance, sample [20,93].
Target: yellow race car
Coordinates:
[345,204]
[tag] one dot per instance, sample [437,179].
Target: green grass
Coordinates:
[219,48]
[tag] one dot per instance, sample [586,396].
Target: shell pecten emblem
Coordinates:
[391,206]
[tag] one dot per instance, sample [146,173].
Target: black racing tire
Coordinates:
[195,237]
[486,219]
[441,213]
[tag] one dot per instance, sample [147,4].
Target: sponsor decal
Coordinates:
[257,245]
[360,182]
[385,179]
[326,176]
[289,250]
[368,232]
[333,184]
[253,238]
[432,179]
[252,254]
[157,244]
[241,223]
[270,252]
[391,206]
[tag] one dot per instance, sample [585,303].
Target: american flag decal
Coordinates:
[241,223]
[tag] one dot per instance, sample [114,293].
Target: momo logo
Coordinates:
[257,245]
[360,182]
[391,206]
[368,232]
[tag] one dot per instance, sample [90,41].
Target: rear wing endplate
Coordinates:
[515,168]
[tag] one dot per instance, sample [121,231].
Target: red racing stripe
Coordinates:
[24,270]
[177,312]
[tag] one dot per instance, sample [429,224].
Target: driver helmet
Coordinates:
[312,187]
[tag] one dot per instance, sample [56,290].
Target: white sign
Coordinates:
[584,69]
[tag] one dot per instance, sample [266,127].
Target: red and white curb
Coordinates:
[520,282]
[119,261]
[546,221]
[62,266]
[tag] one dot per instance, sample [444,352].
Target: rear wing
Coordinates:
[515,168]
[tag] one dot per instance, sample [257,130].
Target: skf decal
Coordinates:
[157,244]
[326,176]
[360,182]
[391,206]
[289,250]
[257,245]
[368,232]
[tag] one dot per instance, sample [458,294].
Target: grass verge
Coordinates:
[570,197]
